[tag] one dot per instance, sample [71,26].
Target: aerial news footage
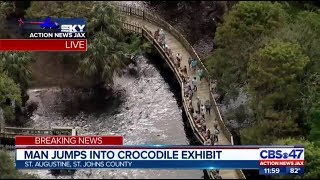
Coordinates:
[159,89]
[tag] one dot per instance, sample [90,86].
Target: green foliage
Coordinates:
[311,106]
[305,31]
[107,47]
[99,65]
[311,156]
[241,114]
[248,21]
[242,33]
[41,9]
[9,92]
[5,9]
[271,49]
[273,73]
[15,65]
[8,171]
[108,50]
[266,131]
[137,46]
[106,53]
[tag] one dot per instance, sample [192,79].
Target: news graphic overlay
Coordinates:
[48,34]
[281,161]
[82,152]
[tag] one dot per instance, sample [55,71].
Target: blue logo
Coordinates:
[46,24]
[279,154]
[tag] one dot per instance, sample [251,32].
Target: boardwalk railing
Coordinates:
[138,12]
[11,132]
[148,35]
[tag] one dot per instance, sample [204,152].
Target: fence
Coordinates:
[137,12]
[147,16]
[148,35]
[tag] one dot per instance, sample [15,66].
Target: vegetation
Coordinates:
[14,73]
[312,157]
[108,46]
[271,50]
[15,65]
[239,36]
[108,51]
[8,170]
[5,9]
[10,93]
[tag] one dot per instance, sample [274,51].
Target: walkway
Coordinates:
[203,88]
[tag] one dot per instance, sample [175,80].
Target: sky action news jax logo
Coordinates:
[58,28]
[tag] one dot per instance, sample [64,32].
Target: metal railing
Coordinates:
[147,16]
[148,35]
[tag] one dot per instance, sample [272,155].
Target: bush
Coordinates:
[8,170]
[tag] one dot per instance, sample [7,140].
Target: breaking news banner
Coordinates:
[48,34]
[81,152]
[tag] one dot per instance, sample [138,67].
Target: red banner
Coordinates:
[68,140]
[43,45]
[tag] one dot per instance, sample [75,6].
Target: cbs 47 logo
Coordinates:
[279,154]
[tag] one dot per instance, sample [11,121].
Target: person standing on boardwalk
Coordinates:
[194,83]
[189,62]
[200,73]
[156,35]
[207,141]
[203,111]
[198,103]
[208,106]
[184,70]
[179,58]
[216,133]
[194,64]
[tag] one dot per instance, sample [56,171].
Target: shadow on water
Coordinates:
[89,102]
[151,100]
[174,85]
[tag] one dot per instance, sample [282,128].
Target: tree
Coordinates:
[248,21]
[15,65]
[5,9]
[267,130]
[311,106]
[242,33]
[304,30]
[136,45]
[8,171]
[108,49]
[274,73]
[9,92]
[104,57]
[66,9]
[311,156]
[105,53]
[107,45]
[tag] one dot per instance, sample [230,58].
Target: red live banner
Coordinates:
[43,45]
[68,140]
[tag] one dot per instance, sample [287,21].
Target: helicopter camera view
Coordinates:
[224,89]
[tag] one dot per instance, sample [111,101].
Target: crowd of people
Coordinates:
[203,109]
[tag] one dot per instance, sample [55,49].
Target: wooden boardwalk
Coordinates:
[203,87]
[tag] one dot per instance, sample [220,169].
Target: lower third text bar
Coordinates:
[79,45]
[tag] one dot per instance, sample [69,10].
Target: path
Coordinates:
[203,87]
